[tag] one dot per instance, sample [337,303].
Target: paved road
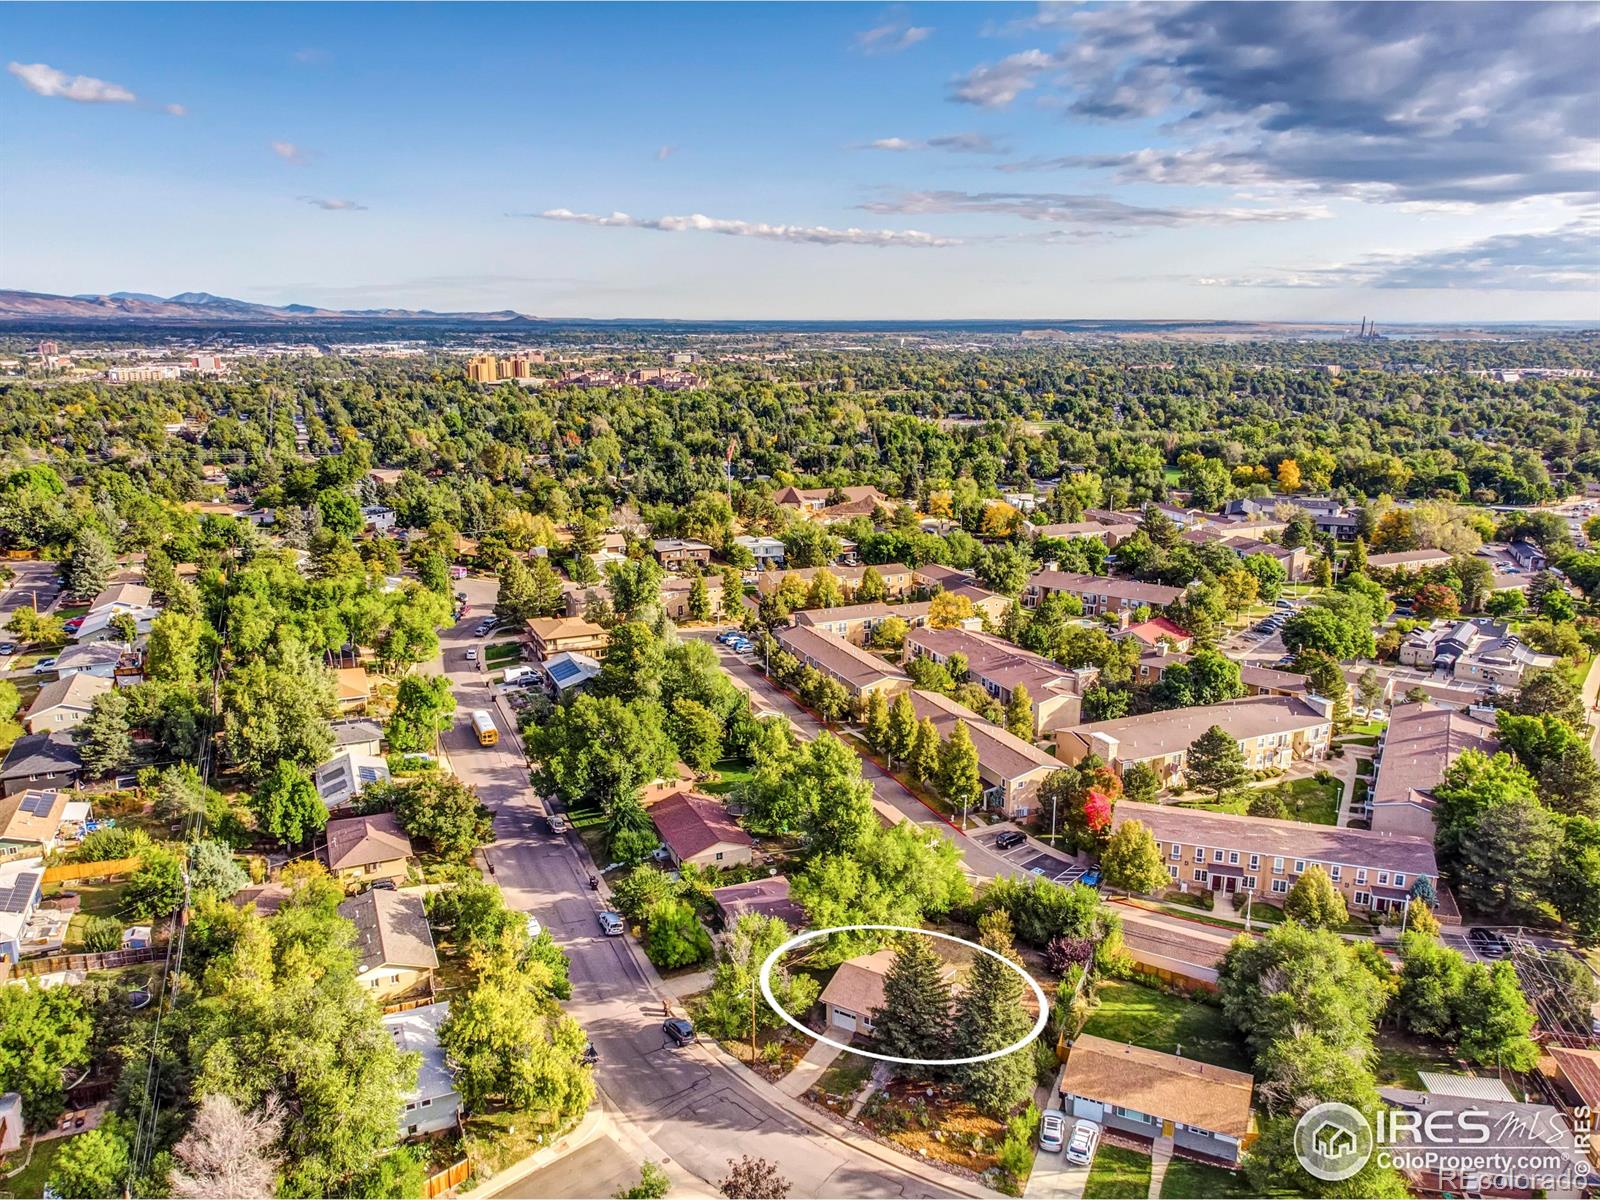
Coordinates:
[693,1108]
[36,583]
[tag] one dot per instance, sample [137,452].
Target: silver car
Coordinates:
[1052,1128]
[611,924]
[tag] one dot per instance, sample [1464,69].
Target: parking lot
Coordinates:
[1033,858]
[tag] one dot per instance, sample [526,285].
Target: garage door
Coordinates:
[1091,1110]
[844,1020]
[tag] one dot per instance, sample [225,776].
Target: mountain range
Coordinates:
[202,307]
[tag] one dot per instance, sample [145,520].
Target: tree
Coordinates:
[1504,604]
[287,806]
[424,707]
[673,935]
[92,1164]
[1434,600]
[104,739]
[697,731]
[517,599]
[875,721]
[596,749]
[1295,978]
[1215,761]
[1019,713]
[227,1153]
[726,1006]
[1549,693]
[948,609]
[1315,902]
[635,661]
[753,1179]
[836,801]
[445,814]
[275,708]
[1132,861]
[1356,560]
[923,761]
[1369,689]
[125,627]
[212,868]
[45,1035]
[156,888]
[990,1015]
[1141,783]
[653,1184]
[915,1019]
[902,734]
[36,628]
[1270,575]
[1495,1019]
[871,589]
[88,565]
[959,781]
[699,599]
[1506,856]
[545,588]
[1288,475]
[172,654]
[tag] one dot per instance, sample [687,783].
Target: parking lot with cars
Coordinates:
[1016,848]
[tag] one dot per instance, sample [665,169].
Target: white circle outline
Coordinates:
[811,935]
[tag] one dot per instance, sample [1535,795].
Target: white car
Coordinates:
[611,924]
[472,654]
[44,666]
[1085,1141]
[1052,1128]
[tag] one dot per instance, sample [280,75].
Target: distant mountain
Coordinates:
[205,308]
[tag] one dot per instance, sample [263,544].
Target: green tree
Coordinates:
[915,1018]
[697,732]
[275,708]
[1019,713]
[1315,902]
[93,1164]
[45,1035]
[836,801]
[1141,783]
[653,1184]
[902,734]
[1295,978]
[172,654]
[634,664]
[341,514]
[444,814]
[1549,693]
[699,599]
[990,1015]
[1506,857]
[1132,861]
[212,868]
[89,564]
[875,721]
[424,707]
[156,888]
[545,587]
[1215,761]
[287,806]
[1495,1019]
[958,770]
[104,739]
[517,599]
[733,999]
[596,749]
[673,935]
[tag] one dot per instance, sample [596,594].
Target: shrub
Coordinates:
[101,934]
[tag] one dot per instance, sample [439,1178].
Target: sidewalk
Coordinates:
[809,1069]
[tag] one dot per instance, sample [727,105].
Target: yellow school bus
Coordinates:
[483,725]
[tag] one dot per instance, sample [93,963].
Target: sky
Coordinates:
[1430,162]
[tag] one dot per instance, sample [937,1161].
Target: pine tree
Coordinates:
[990,1015]
[902,737]
[1356,561]
[699,599]
[1215,761]
[545,588]
[924,757]
[732,594]
[958,769]
[914,1021]
[517,599]
[1019,713]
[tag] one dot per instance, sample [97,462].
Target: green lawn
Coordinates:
[1400,1057]
[1131,1012]
[729,774]
[1118,1174]
[845,1076]
[503,652]
[1187,1180]
[30,1182]
[1306,799]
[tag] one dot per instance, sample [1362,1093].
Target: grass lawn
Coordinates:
[1306,799]
[844,1077]
[1131,1012]
[503,652]
[1400,1057]
[1187,1180]
[730,772]
[32,1180]
[1118,1174]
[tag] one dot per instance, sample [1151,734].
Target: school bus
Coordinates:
[483,725]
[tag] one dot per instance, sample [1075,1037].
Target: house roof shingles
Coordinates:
[1160,1085]
[1001,753]
[363,841]
[691,825]
[1420,744]
[1174,730]
[41,754]
[845,661]
[391,930]
[857,983]
[77,690]
[1104,585]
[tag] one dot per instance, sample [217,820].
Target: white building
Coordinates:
[436,1104]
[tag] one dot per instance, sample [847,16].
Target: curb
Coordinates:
[582,1133]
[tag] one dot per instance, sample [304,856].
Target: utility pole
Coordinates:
[752,1022]
[1249,898]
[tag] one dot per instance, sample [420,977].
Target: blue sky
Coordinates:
[854,161]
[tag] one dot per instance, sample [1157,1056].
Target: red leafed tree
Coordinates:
[1097,813]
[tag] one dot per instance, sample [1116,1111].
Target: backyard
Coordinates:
[1310,800]
[31,1180]
[1118,1174]
[1143,1016]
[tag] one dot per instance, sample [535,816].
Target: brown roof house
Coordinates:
[856,991]
[30,823]
[767,897]
[1099,594]
[1055,692]
[1147,1095]
[860,672]
[1419,745]
[393,943]
[1010,768]
[364,849]
[551,635]
[698,829]
[353,687]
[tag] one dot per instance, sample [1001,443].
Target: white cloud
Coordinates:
[995,85]
[311,55]
[44,80]
[665,152]
[290,152]
[819,235]
[891,37]
[175,110]
[1076,208]
[333,205]
[955,143]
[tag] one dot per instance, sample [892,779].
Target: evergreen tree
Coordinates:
[517,599]
[958,769]
[923,761]
[104,740]
[1357,559]
[732,594]
[1019,713]
[990,1015]
[915,1020]
[545,587]
[1215,761]
[89,564]
[699,599]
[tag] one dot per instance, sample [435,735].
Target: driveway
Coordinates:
[1053,1176]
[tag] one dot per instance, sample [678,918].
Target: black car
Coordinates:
[678,1030]
[1009,839]
[1487,943]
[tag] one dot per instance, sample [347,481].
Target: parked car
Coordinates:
[611,924]
[1487,943]
[1091,877]
[1013,837]
[1281,603]
[679,1031]
[472,654]
[44,666]
[383,885]
[1085,1140]
[1052,1129]
[558,823]
[1377,714]
[8,647]
[458,572]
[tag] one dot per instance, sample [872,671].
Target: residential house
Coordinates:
[697,829]
[675,595]
[1527,555]
[846,510]
[30,823]
[352,687]
[985,604]
[1420,743]
[1109,534]
[434,1105]
[346,775]
[810,501]
[855,992]
[48,759]
[21,887]
[394,948]
[357,735]
[365,849]
[999,667]
[1231,852]
[12,1126]
[1477,650]
[936,575]
[97,626]
[1147,1094]
[1442,1151]
[1256,681]
[122,597]
[1295,560]
[1010,768]
[1330,517]
[64,703]
[767,897]
[379,518]
[897,579]
[859,671]
[551,635]
[678,554]
[95,658]
[679,781]
[1099,594]
[578,598]
[1157,630]
[568,671]
[857,622]
[1272,732]
[1408,560]
[1576,1079]
[767,551]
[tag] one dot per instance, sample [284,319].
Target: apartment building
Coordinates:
[860,672]
[1408,560]
[1229,852]
[1010,768]
[767,551]
[552,635]
[1330,517]
[1256,681]
[897,578]
[680,554]
[1272,731]
[675,592]
[1067,530]
[1099,594]
[1478,650]
[999,667]
[1420,743]
[857,622]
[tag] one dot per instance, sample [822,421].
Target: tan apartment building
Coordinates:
[552,635]
[1010,768]
[675,593]
[1099,594]
[1420,743]
[999,667]
[1272,732]
[861,673]
[1257,681]
[1099,530]
[857,622]
[897,578]
[1230,852]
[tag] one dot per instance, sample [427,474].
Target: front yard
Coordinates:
[940,1126]
[1118,1174]
[1143,1016]
[1187,1180]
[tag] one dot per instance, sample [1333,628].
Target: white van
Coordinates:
[518,674]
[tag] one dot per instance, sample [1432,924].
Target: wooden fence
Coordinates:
[66,872]
[451,1177]
[109,960]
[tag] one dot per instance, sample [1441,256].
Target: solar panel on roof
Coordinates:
[38,804]
[15,896]
[564,670]
[367,774]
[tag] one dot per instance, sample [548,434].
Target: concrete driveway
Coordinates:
[1053,1176]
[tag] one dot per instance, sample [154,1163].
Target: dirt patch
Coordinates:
[932,1121]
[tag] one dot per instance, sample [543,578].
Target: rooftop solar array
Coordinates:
[16,895]
[38,804]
